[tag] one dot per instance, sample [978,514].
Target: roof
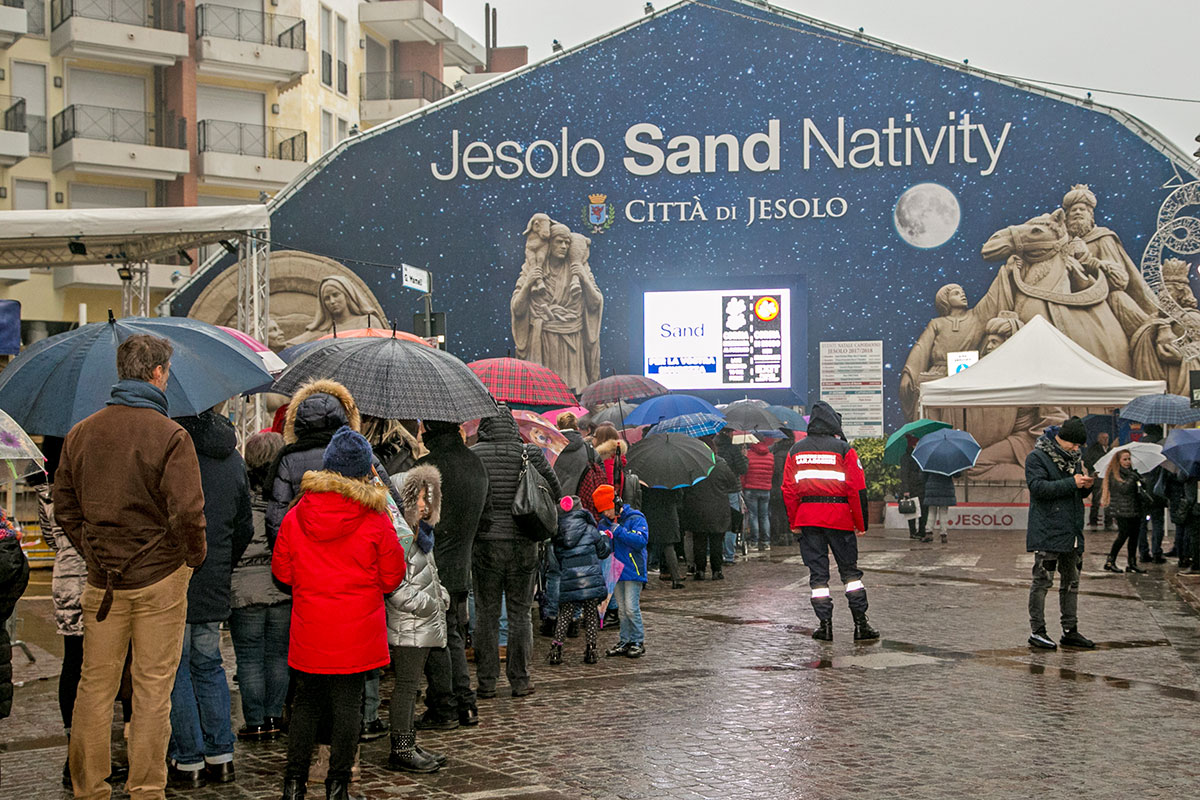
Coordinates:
[118,235]
[1038,366]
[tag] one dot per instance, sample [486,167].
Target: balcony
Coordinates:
[407,21]
[129,31]
[250,45]
[387,95]
[115,141]
[13,21]
[14,141]
[464,52]
[250,156]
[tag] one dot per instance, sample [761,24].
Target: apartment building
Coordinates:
[132,103]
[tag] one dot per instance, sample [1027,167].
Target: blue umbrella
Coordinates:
[693,425]
[792,420]
[666,406]
[946,452]
[1182,448]
[1163,409]
[293,353]
[60,380]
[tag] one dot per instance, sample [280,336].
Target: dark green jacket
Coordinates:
[1055,506]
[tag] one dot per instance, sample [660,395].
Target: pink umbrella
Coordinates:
[271,362]
[534,430]
[578,411]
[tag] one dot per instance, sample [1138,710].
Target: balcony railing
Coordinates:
[13,3]
[119,125]
[264,141]
[402,86]
[226,22]
[143,13]
[14,112]
[343,75]
[35,18]
[327,68]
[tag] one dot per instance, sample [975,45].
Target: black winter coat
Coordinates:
[227,515]
[1124,497]
[500,448]
[572,461]
[706,506]
[467,510]
[1055,506]
[579,547]
[661,507]
[14,577]
[912,478]
[734,456]
[939,490]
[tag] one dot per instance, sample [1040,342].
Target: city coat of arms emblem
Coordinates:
[599,214]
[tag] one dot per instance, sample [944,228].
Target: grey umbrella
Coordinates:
[748,416]
[395,379]
[614,414]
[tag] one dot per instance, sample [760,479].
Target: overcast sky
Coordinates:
[1108,44]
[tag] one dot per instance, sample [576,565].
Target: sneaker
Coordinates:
[718,575]
[485,694]
[636,650]
[1040,640]
[1073,638]
[619,649]
[372,730]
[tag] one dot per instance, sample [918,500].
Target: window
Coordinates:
[94,195]
[343,128]
[29,81]
[326,46]
[327,140]
[343,56]
[30,195]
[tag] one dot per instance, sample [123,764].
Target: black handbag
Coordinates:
[907,506]
[534,509]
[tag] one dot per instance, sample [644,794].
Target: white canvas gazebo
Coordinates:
[1038,366]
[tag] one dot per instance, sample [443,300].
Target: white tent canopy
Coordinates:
[119,235]
[1038,366]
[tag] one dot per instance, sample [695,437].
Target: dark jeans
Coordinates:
[815,544]
[916,528]
[407,664]
[1127,534]
[200,724]
[340,698]
[439,694]
[1151,547]
[1044,565]
[711,543]
[668,561]
[260,642]
[505,569]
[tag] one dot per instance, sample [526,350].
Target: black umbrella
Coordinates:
[614,415]
[670,460]
[395,379]
[746,416]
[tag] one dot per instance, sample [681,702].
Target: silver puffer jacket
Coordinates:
[416,612]
[70,570]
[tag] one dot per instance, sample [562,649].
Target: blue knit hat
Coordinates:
[348,453]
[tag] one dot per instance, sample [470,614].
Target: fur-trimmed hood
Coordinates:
[610,449]
[314,407]
[425,478]
[332,506]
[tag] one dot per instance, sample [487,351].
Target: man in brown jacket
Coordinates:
[127,494]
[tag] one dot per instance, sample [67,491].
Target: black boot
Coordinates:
[1133,567]
[589,655]
[862,629]
[67,773]
[1111,566]
[294,789]
[440,758]
[339,789]
[555,654]
[405,757]
[824,631]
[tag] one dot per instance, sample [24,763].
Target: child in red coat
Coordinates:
[337,548]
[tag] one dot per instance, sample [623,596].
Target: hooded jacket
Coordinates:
[338,551]
[576,457]
[579,547]
[500,449]
[228,519]
[416,612]
[823,482]
[630,536]
[760,467]
[314,414]
[464,479]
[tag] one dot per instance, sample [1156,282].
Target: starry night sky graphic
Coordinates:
[698,71]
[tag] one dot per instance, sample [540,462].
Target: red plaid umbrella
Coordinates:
[512,380]
[621,387]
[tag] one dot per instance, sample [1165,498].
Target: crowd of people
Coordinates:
[334,547]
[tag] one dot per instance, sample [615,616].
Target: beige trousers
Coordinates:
[152,619]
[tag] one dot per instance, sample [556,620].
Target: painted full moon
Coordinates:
[927,215]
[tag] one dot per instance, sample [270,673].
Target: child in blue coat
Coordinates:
[579,547]
[630,534]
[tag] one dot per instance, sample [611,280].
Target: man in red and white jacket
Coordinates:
[823,490]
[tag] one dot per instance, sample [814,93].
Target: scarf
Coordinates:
[1068,463]
[138,394]
[424,537]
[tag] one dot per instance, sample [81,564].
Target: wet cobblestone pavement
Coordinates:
[734,700]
